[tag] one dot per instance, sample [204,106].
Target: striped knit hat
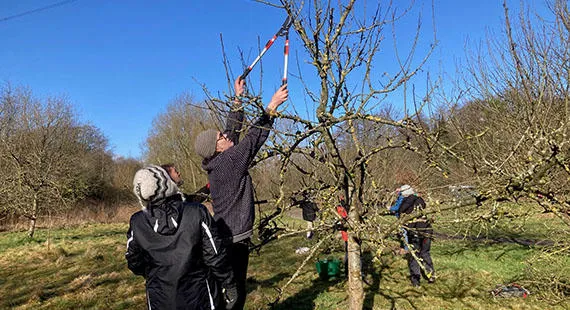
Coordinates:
[152,184]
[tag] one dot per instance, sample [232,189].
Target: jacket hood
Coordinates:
[164,218]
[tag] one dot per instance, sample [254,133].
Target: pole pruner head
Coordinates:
[284,31]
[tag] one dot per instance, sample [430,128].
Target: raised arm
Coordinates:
[245,152]
[234,121]
[396,207]
[280,96]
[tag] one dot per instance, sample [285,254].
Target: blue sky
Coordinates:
[121,62]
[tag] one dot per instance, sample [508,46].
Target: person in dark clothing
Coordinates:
[226,160]
[309,209]
[175,246]
[420,233]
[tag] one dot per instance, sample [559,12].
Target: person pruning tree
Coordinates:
[227,159]
[420,233]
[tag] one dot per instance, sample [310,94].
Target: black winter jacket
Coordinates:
[420,225]
[175,247]
[308,207]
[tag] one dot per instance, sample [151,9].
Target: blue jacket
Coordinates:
[396,207]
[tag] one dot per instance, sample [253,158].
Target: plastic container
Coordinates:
[328,269]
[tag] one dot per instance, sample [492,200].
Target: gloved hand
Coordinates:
[230,296]
[339,225]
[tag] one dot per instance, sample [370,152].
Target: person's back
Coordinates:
[414,205]
[310,210]
[419,232]
[175,247]
[232,193]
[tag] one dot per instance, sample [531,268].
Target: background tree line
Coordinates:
[50,161]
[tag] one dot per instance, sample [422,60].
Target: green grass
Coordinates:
[84,268]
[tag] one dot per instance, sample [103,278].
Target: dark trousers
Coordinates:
[421,247]
[238,254]
[346,258]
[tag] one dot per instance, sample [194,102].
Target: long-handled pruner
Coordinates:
[283,31]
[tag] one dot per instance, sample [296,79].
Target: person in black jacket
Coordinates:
[175,246]
[309,209]
[226,160]
[419,232]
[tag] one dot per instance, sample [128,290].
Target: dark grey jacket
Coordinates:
[231,188]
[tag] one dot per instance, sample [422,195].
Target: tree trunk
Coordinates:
[355,283]
[355,286]
[33,218]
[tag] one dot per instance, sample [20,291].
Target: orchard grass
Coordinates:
[84,267]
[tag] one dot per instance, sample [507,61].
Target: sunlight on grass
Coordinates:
[84,267]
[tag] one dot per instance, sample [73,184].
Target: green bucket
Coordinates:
[328,269]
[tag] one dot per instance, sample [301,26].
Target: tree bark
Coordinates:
[355,283]
[32,228]
[355,286]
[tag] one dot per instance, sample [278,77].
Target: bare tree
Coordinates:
[122,177]
[47,156]
[507,131]
[327,151]
[512,131]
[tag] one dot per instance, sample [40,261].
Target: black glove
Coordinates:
[230,296]
[339,225]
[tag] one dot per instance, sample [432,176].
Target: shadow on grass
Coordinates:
[499,237]
[464,289]
[310,296]
[376,275]
[491,250]
[384,273]
[305,298]
[252,284]
[390,281]
[461,290]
